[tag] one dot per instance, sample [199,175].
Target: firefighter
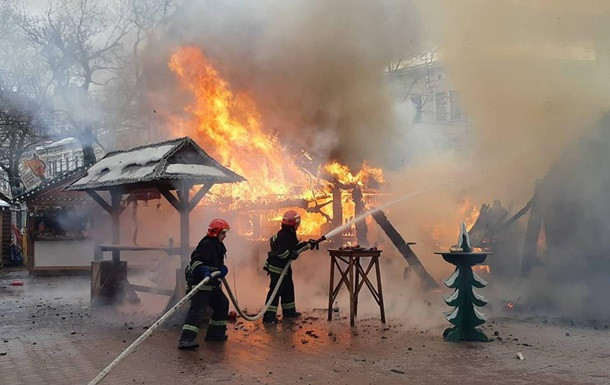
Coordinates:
[206,258]
[284,246]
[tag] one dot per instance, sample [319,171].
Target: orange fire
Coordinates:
[227,124]
[344,175]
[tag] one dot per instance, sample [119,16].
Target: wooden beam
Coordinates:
[170,197]
[198,196]
[115,198]
[101,201]
[404,248]
[183,196]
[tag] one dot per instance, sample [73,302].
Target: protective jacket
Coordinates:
[283,248]
[208,255]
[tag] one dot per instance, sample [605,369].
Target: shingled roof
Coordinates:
[51,186]
[160,163]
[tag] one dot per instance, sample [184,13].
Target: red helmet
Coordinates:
[217,226]
[291,218]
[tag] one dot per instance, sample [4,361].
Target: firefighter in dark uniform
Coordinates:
[206,258]
[284,246]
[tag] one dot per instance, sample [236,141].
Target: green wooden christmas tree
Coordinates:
[465,316]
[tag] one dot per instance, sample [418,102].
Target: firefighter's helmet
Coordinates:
[291,218]
[217,226]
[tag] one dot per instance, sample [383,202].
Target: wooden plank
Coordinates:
[170,197]
[101,201]
[330,288]
[198,196]
[404,248]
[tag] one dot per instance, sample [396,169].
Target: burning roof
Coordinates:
[177,159]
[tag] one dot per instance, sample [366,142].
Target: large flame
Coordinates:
[227,124]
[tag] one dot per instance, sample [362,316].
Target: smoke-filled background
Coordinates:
[533,80]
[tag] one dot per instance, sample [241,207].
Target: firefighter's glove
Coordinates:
[204,273]
[223,271]
[294,255]
[313,244]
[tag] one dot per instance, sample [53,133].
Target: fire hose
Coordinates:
[150,330]
[275,289]
[187,297]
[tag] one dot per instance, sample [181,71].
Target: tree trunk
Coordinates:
[86,140]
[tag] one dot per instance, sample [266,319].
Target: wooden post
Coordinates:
[403,248]
[352,319]
[359,209]
[337,208]
[115,199]
[331,288]
[530,245]
[379,291]
[183,197]
[357,267]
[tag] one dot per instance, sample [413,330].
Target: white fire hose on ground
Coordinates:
[187,297]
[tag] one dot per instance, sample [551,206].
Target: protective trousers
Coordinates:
[285,292]
[219,303]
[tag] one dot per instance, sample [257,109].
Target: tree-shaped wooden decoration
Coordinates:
[465,316]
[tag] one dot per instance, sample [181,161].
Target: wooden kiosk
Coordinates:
[173,168]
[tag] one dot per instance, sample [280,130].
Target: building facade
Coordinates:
[427,99]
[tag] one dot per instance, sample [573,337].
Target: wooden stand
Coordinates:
[354,276]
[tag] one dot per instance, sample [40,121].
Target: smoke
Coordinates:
[533,79]
[315,68]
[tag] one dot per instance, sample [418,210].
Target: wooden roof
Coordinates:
[165,164]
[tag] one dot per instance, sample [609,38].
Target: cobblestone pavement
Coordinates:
[49,335]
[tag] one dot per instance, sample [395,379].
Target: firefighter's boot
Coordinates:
[187,345]
[216,337]
[270,318]
[291,314]
[187,338]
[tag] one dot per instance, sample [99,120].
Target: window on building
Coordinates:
[418,108]
[455,104]
[441,106]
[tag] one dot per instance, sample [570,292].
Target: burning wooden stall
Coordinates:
[173,168]
[58,226]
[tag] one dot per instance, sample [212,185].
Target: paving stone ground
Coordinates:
[49,335]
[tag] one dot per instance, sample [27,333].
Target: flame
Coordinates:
[227,125]
[344,175]
[470,212]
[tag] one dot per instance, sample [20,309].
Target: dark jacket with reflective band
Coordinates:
[283,244]
[209,253]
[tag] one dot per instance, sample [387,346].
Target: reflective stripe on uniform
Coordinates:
[289,305]
[272,309]
[195,263]
[217,323]
[273,269]
[207,288]
[190,327]
[284,255]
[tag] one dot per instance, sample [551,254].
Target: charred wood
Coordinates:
[404,248]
